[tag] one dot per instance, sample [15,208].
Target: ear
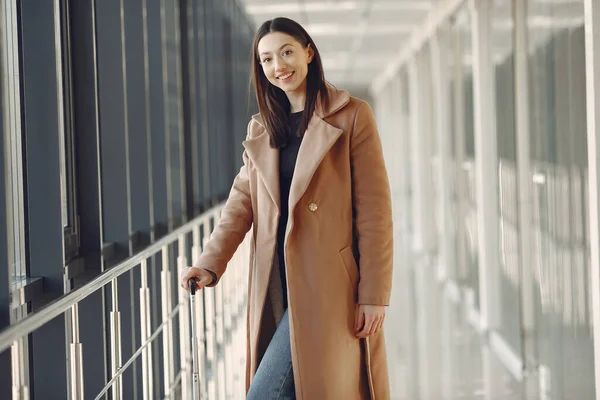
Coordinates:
[311,53]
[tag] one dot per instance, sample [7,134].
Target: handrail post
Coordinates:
[199,311]
[220,337]
[168,362]
[209,309]
[145,332]
[115,341]
[76,357]
[19,387]
[184,332]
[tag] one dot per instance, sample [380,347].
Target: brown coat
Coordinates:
[338,249]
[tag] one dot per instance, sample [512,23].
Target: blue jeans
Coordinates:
[274,379]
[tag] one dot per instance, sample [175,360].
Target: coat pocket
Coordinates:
[350,264]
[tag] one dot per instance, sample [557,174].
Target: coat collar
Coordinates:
[318,139]
[337,100]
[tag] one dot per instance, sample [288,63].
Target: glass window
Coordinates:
[559,167]
[464,150]
[503,53]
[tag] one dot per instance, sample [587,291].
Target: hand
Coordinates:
[369,320]
[203,277]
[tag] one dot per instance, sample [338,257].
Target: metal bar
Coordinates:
[75,322]
[443,133]
[201,345]
[20,374]
[527,287]
[415,73]
[486,172]
[174,312]
[460,155]
[173,385]
[184,334]
[115,341]
[168,367]
[220,342]
[115,354]
[211,358]
[76,371]
[195,369]
[404,208]
[13,146]
[199,316]
[69,331]
[145,328]
[486,162]
[149,356]
[439,62]
[16,369]
[146,393]
[58,307]
[415,181]
[592,62]
[60,112]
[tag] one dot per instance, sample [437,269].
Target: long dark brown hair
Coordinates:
[273,104]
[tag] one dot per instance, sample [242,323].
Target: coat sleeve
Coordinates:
[373,210]
[235,222]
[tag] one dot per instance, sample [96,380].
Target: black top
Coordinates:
[287,162]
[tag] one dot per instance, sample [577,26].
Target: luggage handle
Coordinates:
[195,373]
[193,283]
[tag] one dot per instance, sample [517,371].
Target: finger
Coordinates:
[365,332]
[192,273]
[203,281]
[360,320]
[379,326]
[374,326]
[367,328]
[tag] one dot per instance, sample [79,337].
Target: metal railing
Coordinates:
[220,314]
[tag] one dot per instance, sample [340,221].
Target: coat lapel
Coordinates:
[318,139]
[266,162]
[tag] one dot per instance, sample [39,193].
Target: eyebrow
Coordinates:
[268,52]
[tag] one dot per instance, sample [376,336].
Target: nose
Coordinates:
[279,64]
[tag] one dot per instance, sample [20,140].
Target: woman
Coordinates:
[321,262]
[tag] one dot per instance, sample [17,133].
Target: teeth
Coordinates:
[286,76]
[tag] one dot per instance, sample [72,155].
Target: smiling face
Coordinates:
[285,61]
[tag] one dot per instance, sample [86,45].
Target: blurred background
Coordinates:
[122,123]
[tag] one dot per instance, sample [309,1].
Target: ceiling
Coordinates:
[356,39]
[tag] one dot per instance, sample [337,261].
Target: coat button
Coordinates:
[312,207]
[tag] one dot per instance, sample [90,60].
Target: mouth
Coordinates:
[286,77]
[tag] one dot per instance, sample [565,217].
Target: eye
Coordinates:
[287,52]
[266,60]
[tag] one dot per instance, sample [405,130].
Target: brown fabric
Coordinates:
[338,251]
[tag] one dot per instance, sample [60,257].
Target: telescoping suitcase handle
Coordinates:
[195,389]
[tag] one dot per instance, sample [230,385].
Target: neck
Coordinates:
[297,99]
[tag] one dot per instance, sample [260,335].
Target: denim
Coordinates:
[274,379]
